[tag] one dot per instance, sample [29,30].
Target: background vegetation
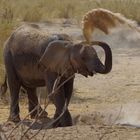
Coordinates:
[13,12]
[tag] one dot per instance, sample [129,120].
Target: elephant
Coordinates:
[34,58]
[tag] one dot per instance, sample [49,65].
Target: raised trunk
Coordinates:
[106,68]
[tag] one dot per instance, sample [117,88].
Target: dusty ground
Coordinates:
[104,106]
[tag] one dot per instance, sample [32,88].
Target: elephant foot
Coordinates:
[60,123]
[14,119]
[64,121]
[39,114]
[57,124]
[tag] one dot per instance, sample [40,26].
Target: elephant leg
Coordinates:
[68,87]
[64,93]
[34,104]
[14,86]
[59,101]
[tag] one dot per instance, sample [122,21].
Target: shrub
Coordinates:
[33,14]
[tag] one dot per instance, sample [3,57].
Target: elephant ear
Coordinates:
[56,56]
[76,59]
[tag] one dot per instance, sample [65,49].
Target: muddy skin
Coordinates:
[34,58]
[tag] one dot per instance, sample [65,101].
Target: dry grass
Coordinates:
[42,10]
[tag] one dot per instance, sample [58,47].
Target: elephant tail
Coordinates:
[3,87]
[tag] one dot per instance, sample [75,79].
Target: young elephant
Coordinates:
[33,59]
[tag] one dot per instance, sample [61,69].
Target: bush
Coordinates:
[32,15]
[5,31]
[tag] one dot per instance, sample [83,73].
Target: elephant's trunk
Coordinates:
[106,68]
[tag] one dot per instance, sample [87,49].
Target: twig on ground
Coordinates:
[2,134]
[38,115]
[55,88]
[51,123]
[105,133]
[36,119]
[18,124]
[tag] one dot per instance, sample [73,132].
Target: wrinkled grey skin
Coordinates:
[34,59]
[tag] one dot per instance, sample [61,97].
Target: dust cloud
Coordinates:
[130,115]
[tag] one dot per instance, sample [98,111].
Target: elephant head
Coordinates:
[66,57]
